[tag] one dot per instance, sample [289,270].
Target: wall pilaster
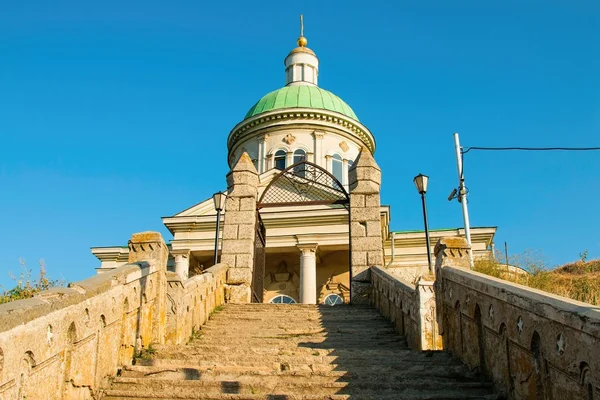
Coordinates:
[150,248]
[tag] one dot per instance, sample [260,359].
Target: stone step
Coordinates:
[207,348]
[440,374]
[358,365]
[132,394]
[297,352]
[260,386]
[321,342]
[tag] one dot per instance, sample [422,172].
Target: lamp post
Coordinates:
[421,184]
[219,201]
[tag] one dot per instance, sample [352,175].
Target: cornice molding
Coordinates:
[301,115]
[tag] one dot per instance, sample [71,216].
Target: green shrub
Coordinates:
[27,285]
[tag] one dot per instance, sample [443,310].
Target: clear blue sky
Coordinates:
[115,113]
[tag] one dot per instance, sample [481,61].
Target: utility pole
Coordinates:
[462,194]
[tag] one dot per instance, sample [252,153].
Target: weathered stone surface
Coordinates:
[358,229]
[365,214]
[359,258]
[230,232]
[63,343]
[240,217]
[361,274]
[236,276]
[246,232]
[375,258]
[374,228]
[361,292]
[357,200]
[372,243]
[237,294]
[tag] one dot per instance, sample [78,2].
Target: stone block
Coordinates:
[357,200]
[228,259]
[372,200]
[365,214]
[230,231]
[361,292]
[367,244]
[232,203]
[364,187]
[242,178]
[237,276]
[246,232]
[238,246]
[244,260]
[243,190]
[361,273]
[237,293]
[357,229]
[374,228]
[240,217]
[248,204]
[359,258]
[375,258]
[368,174]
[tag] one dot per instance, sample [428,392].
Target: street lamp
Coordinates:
[219,201]
[421,184]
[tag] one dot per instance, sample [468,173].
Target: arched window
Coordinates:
[299,156]
[280,157]
[282,299]
[333,299]
[337,167]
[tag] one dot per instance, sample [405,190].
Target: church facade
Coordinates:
[294,137]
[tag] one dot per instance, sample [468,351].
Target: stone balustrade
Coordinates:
[532,344]
[66,342]
[410,307]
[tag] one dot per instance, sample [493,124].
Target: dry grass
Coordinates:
[579,280]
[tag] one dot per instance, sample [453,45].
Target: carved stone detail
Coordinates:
[289,139]
[344,146]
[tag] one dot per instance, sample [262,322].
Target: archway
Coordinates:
[294,188]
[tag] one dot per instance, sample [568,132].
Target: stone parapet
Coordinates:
[66,343]
[190,302]
[411,308]
[532,344]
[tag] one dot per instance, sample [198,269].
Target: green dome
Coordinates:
[301,96]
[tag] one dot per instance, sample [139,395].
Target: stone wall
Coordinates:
[190,302]
[65,343]
[410,307]
[532,344]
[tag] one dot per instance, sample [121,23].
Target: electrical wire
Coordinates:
[530,149]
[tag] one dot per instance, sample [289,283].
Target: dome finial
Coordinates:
[302,42]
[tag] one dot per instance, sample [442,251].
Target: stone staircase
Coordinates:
[296,352]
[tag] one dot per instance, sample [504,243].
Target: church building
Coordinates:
[302,141]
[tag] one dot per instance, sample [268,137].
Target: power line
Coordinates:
[531,149]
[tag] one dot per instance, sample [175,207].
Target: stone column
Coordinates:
[365,224]
[308,273]
[318,147]
[345,173]
[262,153]
[328,166]
[182,263]
[289,160]
[239,228]
[150,247]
